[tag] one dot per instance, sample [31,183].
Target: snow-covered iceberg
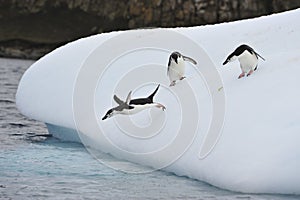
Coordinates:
[258,146]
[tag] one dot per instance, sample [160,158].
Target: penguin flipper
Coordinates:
[260,56]
[118,100]
[251,50]
[128,99]
[257,55]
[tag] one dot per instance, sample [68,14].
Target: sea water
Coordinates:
[34,165]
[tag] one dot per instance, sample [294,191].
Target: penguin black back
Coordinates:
[142,101]
[238,51]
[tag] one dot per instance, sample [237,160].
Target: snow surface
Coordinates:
[259,149]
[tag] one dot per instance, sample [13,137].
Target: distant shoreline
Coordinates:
[25,50]
[31,29]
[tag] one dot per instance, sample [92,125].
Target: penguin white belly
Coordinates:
[247,61]
[176,71]
[136,109]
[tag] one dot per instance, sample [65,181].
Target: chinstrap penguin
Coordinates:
[247,57]
[132,106]
[176,67]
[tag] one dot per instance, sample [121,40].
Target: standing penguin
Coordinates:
[247,57]
[176,67]
[132,106]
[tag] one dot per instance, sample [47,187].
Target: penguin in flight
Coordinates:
[132,106]
[247,57]
[176,67]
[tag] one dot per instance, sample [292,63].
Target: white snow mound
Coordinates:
[258,150]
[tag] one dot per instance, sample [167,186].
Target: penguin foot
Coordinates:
[172,83]
[161,106]
[242,75]
[182,78]
[250,72]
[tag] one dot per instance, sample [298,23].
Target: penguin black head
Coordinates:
[230,58]
[108,114]
[174,56]
[123,105]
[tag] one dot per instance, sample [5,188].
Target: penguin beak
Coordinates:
[104,118]
[185,58]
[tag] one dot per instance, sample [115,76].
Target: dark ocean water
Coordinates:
[33,165]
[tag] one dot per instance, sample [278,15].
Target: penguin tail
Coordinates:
[153,94]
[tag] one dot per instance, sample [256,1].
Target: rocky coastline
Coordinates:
[32,28]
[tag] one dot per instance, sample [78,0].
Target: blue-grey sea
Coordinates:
[34,165]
